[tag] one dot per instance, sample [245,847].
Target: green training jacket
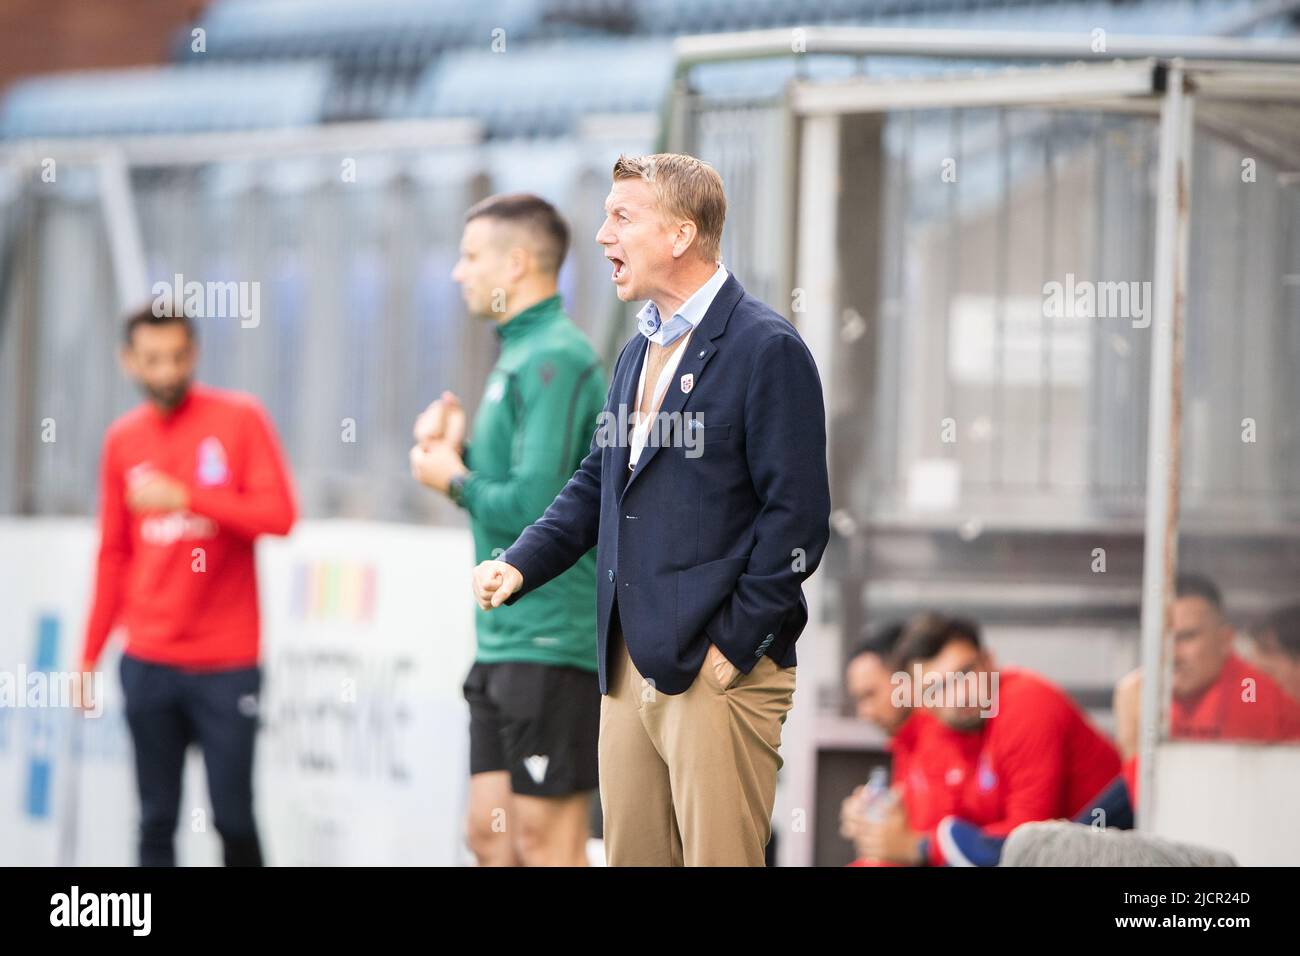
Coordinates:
[532,430]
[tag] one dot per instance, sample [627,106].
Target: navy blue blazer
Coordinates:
[713,534]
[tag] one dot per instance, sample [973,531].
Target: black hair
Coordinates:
[880,642]
[1198,585]
[534,214]
[149,315]
[928,634]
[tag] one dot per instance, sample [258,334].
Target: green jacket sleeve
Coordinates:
[557,400]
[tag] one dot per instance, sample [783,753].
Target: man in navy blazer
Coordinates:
[705,494]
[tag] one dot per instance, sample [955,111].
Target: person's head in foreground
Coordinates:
[159,353]
[511,251]
[1201,639]
[947,653]
[868,678]
[663,226]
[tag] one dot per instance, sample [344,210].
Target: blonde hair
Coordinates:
[684,188]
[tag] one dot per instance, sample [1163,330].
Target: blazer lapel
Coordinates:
[699,351]
[626,396]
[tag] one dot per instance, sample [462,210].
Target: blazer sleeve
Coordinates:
[551,425]
[785,447]
[570,525]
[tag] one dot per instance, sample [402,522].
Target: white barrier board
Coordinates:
[363,756]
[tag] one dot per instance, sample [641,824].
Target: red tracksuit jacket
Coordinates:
[183,584]
[1041,760]
[931,764]
[1229,709]
[1241,704]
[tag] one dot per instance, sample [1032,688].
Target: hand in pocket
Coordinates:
[723,670]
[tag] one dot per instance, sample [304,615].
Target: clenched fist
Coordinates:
[151,490]
[443,420]
[431,423]
[494,582]
[435,464]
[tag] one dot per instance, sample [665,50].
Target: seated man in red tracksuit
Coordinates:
[1214,694]
[929,761]
[1039,757]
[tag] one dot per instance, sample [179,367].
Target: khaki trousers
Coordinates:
[690,779]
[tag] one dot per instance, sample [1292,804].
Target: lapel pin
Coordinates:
[688,382]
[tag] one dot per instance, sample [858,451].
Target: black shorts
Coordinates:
[538,721]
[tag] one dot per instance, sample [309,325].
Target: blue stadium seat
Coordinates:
[167,99]
[359,59]
[542,89]
[244,29]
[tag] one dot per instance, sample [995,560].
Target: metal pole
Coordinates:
[978,45]
[198,149]
[1173,211]
[816,274]
[122,225]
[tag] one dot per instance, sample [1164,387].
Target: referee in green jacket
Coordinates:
[533,696]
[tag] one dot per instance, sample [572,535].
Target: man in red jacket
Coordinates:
[1214,694]
[1039,757]
[188,480]
[929,761]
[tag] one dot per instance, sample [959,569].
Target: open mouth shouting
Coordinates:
[620,268]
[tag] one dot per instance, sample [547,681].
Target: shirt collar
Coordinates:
[187,400]
[530,317]
[696,307]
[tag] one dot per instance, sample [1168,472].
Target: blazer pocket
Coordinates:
[701,590]
[703,437]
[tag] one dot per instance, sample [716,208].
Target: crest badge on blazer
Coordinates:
[688,383]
